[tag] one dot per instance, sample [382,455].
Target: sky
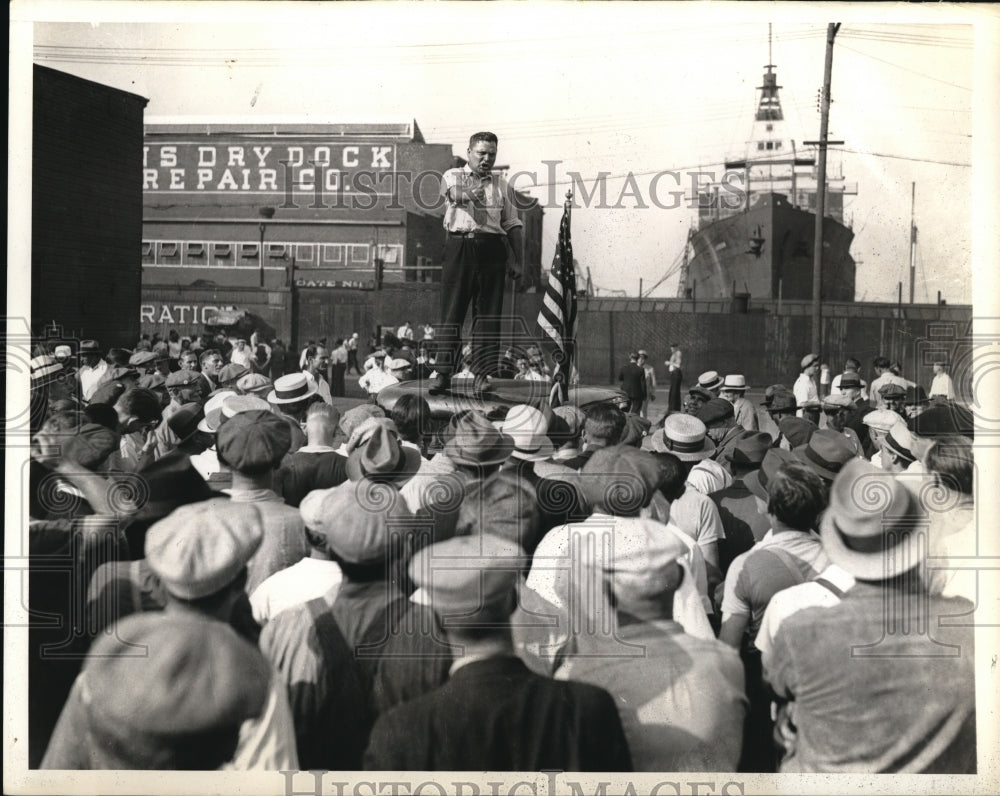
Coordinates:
[621,89]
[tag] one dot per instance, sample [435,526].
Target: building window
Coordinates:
[333,254]
[359,253]
[167,249]
[305,254]
[770,145]
[222,251]
[760,145]
[249,251]
[194,249]
[276,251]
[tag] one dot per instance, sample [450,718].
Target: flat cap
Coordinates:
[108,393]
[196,678]
[807,360]
[152,381]
[619,480]
[882,419]
[357,415]
[636,428]
[892,390]
[715,411]
[90,446]
[470,579]
[232,372]
[256,383]
[837,401]
[254,440]
[183,378]
[199,549]
[642,561]
[142,358]
[797,430]
[357,533]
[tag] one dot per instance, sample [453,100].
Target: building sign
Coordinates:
[252,166]
[356,284]
[178,314]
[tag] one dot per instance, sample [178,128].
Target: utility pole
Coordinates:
[824,126]
[913,241]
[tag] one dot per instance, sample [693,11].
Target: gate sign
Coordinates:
[251,166]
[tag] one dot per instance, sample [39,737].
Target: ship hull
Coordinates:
[725,263]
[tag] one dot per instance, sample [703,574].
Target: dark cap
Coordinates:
[253,441]
[715,411]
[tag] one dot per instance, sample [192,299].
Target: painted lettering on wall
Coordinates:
[175,314]
[357,284]
[243,166]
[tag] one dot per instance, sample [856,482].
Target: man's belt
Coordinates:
[475,235]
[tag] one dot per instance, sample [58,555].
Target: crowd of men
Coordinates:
[238,575]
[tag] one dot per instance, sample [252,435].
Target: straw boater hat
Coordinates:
[685,436]
[292,388]
[872,533]
[736,382]
[710,380]
[213,412]
[528,428]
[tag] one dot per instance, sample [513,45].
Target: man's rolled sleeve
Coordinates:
[508,213]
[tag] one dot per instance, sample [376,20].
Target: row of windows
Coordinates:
[224,253]
[762,145]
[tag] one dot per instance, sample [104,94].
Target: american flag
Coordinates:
[557,318]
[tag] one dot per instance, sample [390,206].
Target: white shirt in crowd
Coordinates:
[942,386]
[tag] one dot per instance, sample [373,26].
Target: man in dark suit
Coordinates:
[493,713]
[633,379]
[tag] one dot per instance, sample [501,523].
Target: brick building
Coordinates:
[301,223]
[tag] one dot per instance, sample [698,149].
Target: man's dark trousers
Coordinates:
[474,272]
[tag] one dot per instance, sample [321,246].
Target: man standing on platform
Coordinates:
[480,217]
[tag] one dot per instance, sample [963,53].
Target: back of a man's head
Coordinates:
[951,458]
[411,414]
[797,497]
[604,425]
[321,424]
